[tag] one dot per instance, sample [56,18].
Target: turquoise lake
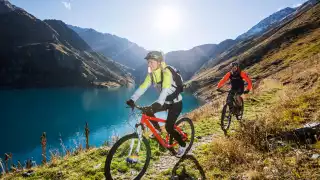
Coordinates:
[62,113]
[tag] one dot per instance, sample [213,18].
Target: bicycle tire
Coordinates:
[223,116]
[172,150]
[114,148]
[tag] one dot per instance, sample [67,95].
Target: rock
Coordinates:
[28,173]
[274,171]
[97,166]
[313,124]
[269,177]
[305,135]
[315,156]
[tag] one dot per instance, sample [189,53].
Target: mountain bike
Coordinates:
[227,112]
[130,156]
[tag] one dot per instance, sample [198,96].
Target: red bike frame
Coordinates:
[145,120]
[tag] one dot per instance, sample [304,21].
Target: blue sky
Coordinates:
[165,25]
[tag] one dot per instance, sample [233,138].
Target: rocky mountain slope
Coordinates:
[189,61]
[266,23]
[35,54]
[245,45]
[117,48]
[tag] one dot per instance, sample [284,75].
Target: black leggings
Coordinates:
[174,111]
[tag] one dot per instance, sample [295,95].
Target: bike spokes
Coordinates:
[129,159]
[226,117]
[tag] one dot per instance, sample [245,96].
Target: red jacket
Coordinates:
[243,75]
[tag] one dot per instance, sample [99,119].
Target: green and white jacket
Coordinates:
[168,86]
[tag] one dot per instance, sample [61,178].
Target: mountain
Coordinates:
[37,53]
[266,23]
[189,61]
[117,48]
[294,41]
[68,37]
[197,58]
[244,45]
[216,51]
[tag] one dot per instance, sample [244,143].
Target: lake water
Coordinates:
[62,113]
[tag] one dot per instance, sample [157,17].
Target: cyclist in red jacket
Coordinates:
[237,78]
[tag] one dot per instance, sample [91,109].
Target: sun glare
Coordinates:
[167,19]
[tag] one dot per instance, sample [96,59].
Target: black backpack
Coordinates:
[177,79]
[176,76]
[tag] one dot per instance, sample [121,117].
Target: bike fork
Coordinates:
[132,144]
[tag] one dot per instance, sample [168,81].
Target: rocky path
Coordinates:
[168,161]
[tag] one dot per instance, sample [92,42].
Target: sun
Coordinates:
[167,19]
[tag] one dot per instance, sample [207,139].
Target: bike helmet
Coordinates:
[157,55]
[235,64]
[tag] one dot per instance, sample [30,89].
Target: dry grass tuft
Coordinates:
[226,153]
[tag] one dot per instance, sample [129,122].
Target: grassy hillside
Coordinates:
[295,43]
[286,96]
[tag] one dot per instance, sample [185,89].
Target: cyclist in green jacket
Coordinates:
[162,78]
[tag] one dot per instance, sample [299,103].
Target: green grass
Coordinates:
[87,165]
[84,165]
[207,126]
[227,158]
[304,48]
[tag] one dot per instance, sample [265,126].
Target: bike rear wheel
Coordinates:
[226,116]
[187,127]
[118,163]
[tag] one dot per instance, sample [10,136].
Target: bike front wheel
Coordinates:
[128,158]
[225,118]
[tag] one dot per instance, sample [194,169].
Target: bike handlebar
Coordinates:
[223,91]
[136,106]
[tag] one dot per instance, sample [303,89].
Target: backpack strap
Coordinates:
[161,82]
[161,76]
[152,80]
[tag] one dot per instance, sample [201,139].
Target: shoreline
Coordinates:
[107,85]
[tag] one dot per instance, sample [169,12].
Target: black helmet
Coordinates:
[157,55]
[235,64]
